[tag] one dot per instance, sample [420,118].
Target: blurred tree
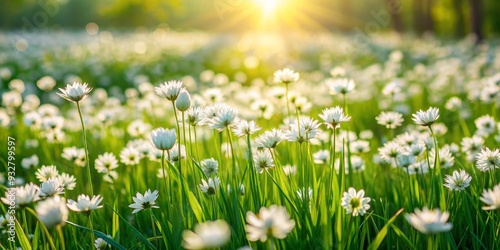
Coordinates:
[458,9]
[476,18]
[443,17]
[395,10]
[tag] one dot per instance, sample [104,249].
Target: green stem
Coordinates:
[230,139]
[430,242]
[163,169]
[86,149]
[61,237]
[287,101]
[253,176]
[92,231]
[348,234]
[44,228]
[179,136]
[153,227]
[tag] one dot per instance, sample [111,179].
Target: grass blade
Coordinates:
[137,233]
[21,236]
[100,235]
[383,232]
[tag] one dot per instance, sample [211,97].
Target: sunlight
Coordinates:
[268,6]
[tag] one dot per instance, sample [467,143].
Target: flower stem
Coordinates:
[92,230]
[91,191]
[153,227]
[179,136]
[287,101]
[61,237]
[163,169]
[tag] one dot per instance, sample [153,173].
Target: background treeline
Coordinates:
[449,18]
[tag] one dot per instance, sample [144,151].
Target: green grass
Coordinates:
[320,220]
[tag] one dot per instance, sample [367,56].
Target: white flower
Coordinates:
[105,164]
[51,187]
[269,222]
[485,125]
[491,197]
[211,186]
[163,139]
[446,159]
[334,116]
[22,196]
[270,139]
[67,181]
[286,76]
[4,118]
[75,92]
[224,117]
[46,172]
[174,153]
[360,146]
[52,211]
[130,156]
[341,85]
[46,83]
[390,120]
[471,146]
[264,107]
[390,151]
[321,157]
[75,155]
[426,118]
[308,129]
[263,160]
[405,160]
[100,244]
[183,101]
[32,120]
[354,202]
[453,104]
[209,166]
[85,204]
[195,116]
[488,160]
[145,201]
[207,235]
[12,99]
[429,221]
[459,181]
[169,90]
[138,128]
[30,162]
[244,127]
[53,123]
[161,173]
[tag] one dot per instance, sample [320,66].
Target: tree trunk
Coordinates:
[476,19]
[429,21]
[418,16]
[460,21]
[395,10]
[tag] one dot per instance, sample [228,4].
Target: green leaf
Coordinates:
[383,232]
[36,236]
[116,221]
[137,233]
[21,236]
[195,205]
[403,236]
[100,235]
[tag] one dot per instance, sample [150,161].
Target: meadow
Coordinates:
[172,140]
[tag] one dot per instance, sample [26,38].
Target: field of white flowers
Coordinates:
[166,140]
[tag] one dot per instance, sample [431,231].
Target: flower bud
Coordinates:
[183,101]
